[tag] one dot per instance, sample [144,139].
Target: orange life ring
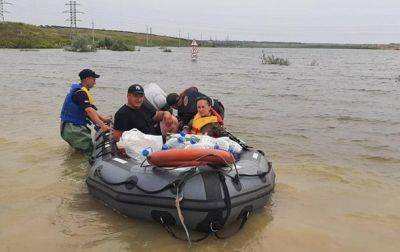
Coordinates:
[190,157]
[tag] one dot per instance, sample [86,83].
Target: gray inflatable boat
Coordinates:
[207,197]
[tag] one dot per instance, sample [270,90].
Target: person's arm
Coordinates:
[119,125]
[96,119]
[117,134]
[82,100]
[163,116]
[106,119]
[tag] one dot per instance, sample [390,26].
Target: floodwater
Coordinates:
[332,131]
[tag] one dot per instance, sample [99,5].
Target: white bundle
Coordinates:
[134,142]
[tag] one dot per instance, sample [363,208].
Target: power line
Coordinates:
[2,10]
[72,16]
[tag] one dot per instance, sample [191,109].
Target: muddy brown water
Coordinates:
[332,131]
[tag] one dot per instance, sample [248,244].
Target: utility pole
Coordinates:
[92,32]
[72,16]
[150,35]
[147,36]
[2,11]
[188,36]
[179,37]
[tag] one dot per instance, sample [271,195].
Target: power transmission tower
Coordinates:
[72,16]
[2,11]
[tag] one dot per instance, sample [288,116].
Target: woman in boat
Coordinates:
[207,121]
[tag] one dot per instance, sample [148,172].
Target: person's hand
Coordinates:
[122,152]
[107,119]
[104,127]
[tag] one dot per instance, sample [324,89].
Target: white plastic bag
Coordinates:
[155,95]
[137,144]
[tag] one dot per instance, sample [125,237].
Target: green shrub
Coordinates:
[272,60]
[81,44]
[119,45]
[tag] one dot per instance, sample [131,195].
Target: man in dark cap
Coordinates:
[185,103]
[135,114]
[78,111]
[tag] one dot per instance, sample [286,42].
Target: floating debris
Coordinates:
[314,63]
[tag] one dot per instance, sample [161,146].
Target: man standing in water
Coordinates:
[78,111]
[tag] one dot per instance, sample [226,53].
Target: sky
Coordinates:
[310,21]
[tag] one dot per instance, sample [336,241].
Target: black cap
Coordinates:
[88,73]
[172,99]
[135,89]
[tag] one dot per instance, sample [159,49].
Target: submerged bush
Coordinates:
[114,45]
[119,45]
[81,44]
[105,43]
[274,60]
[167,50]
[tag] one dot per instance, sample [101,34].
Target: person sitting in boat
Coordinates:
[207,121]
[136,114]
[186,105]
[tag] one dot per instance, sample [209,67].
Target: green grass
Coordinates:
[20,35]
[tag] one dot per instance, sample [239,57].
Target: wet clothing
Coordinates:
[74,121]
[187,108]
[128,118]
[79,137]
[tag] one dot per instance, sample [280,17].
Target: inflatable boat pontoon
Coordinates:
[207,197]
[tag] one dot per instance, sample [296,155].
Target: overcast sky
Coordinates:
[335,21]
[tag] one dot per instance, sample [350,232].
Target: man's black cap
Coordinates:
[135,89]
[88,73]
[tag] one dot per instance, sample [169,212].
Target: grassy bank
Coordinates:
[19,35]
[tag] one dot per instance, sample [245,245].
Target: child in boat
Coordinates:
[207,121]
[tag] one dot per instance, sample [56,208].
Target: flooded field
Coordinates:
[332,130]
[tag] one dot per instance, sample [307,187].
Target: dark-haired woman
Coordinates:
[207,121]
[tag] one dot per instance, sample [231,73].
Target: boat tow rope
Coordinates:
[179,197]
[215,226]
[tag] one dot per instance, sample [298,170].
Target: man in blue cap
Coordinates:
[78,111]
